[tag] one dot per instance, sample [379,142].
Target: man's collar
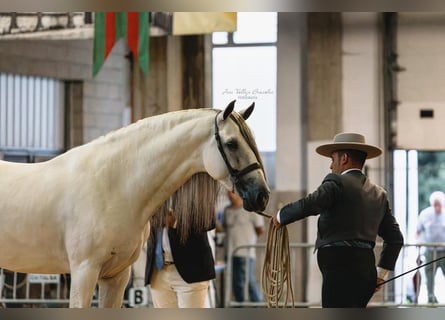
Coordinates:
[352,169]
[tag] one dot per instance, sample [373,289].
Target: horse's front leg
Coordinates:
[111,290]
[83,282]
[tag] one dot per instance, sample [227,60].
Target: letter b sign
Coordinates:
[138,297]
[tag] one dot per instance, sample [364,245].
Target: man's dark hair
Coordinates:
[357,157]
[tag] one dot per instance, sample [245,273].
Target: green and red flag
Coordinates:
[137,37]
[109,27]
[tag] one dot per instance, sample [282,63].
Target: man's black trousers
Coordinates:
[349,276]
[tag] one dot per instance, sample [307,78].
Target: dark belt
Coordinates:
[167,263]
[350,243]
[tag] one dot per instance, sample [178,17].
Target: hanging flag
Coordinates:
[108,27]
[138,36]
[111,26]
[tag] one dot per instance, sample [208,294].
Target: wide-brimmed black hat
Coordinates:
[349,141]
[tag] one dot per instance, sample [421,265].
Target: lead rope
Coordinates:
[276,281]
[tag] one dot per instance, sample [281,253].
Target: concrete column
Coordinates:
[324,110]
[290,160]
[362,83]
[290,101]
[174,73]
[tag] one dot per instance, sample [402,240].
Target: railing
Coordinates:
[28,22]
[26,290]
[19,290]
[16,24]
[298,252]
[408,290]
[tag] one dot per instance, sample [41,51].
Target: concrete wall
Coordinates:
[103,99]
[362,85]
[324,75]
[329,81]
[421,51]
[176,80]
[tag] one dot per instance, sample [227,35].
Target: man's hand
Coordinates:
[378,286]
[275,222]
[170,219]
[381,276]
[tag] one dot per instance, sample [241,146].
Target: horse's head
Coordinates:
[232,158]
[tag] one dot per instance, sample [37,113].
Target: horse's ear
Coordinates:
[248,111]
[228,109]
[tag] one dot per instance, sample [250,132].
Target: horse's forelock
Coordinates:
[248,135]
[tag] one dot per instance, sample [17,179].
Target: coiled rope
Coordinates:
[276,279]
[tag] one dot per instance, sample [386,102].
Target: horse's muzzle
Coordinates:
[256,200]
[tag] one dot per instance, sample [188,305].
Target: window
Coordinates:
[245,68]
[31,117]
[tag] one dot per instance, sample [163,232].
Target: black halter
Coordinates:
[235,174]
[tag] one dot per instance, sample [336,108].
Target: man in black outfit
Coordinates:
[352,213]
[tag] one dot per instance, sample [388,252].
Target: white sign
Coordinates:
[138,297]
[43,278]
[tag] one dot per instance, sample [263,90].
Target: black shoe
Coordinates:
[432,300]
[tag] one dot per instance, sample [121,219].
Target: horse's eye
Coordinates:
[232,145]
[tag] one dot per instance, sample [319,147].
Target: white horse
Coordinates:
[86,212]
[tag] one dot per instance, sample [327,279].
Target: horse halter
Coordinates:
[235,174]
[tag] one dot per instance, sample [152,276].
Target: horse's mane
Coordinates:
[159,123]
[193,206]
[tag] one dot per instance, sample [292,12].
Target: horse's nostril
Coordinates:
[262,197]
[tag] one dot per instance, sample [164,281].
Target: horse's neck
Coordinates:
[149,160]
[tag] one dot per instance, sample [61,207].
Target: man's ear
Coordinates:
[344,158]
